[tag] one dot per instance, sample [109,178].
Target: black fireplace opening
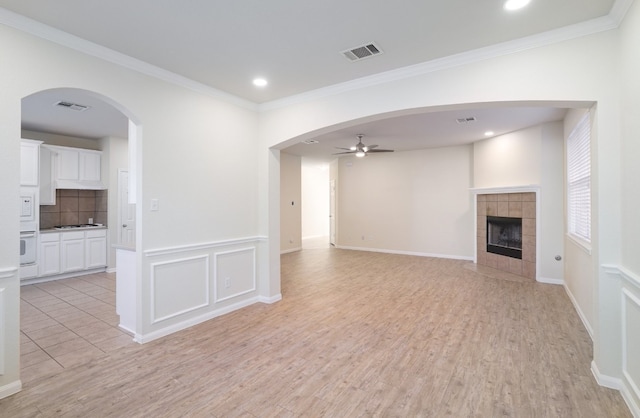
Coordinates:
[504,236]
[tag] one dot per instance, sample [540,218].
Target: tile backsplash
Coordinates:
[75,207]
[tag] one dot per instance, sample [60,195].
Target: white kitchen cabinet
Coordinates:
[68,163]
[70,168]
[90,165]
[49,254]
[96,248]
[47,177]
[72,251]
[29,162]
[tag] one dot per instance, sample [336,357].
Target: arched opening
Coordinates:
[70,314]
[420,137]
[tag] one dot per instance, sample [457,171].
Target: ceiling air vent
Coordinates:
[466,120]
[362,52]
[73,106]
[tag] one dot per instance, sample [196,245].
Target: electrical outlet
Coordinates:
[227,282]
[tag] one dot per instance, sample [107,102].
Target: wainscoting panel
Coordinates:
[235,273]
[631,342]
[3,342]
[179,286]
[189,284]
[621,306]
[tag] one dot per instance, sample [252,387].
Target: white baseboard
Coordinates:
[45,279]
[162,332]
[291,250]
[270,300]
[10,389]
[604,380]
[111,270]
[630,399]
[617,384]
[550,281]
[581,314]
[417,254]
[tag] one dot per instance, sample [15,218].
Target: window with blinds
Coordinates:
[579,180]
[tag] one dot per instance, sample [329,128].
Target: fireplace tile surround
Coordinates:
[513,205]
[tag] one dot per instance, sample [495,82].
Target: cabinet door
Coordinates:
[68,162]
[49,258]
[47,177]
[89,166]
[29,162]
[72,255]
[96,252]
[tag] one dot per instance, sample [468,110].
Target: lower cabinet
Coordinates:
[49,254]
[66,252]
[96,249]
[72,251]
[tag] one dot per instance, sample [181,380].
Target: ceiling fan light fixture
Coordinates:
[360,154]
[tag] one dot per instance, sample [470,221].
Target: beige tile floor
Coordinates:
[69,322]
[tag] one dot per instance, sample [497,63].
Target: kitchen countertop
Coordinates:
[84,228]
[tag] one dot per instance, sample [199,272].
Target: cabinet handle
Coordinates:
[124,225]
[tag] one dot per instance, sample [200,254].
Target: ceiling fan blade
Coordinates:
[380,150]
[346,149]
[347,152]
[371,146]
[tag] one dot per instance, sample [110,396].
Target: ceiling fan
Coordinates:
[360,149]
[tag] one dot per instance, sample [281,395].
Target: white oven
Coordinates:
[27,247]
[28,243]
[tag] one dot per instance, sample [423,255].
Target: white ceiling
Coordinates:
[429,130]
[223,45]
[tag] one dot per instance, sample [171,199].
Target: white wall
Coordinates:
[414,202]
[315,198]
[198,156]
[581,71]
[630,131]
[579,265]
[508,160]
[115,156]
[532,156]
[290,203]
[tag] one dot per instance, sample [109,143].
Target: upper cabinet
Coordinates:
[68,168]
[29,162]
[77,168]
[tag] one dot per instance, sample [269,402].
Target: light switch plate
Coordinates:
[155,205]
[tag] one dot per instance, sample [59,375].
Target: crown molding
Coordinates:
[65,39]
[465,58]
[611,21]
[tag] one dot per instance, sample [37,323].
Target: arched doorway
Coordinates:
[76,302]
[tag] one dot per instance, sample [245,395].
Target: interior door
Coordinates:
[332,212]
[126,212]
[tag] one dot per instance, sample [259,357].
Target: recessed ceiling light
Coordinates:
[489,133]
[515,4]
[259,82]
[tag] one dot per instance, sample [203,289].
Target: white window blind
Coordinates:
[579,179]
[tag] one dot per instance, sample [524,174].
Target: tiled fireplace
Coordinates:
[512,220]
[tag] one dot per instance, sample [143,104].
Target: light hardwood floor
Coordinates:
[356,335]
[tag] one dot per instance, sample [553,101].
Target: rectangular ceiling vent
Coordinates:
[362,52]
[466,120]
[72,106]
